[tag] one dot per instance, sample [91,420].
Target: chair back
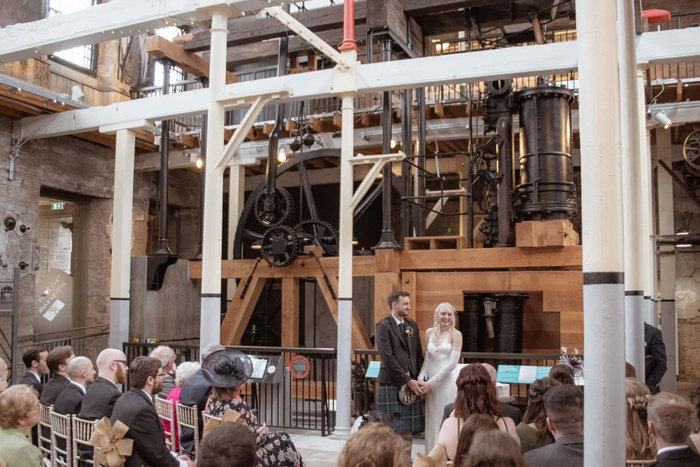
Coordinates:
[83,452]
[187,417]
[61,440]
[44,429]
[165,410]
[206,418]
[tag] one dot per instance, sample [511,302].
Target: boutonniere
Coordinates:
[409,331]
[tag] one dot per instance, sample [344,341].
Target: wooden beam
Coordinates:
[492,258]
[240,310]
[290,312]
[360,338]
[248,30]
[190,62]
[301,267]
[384,284]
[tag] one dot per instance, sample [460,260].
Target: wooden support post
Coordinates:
[360,338]
[290,312]
[239,311]
[385,283]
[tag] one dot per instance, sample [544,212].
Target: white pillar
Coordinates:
[210,320]
[236,200]
[631,194]
[121,237]
[603,262]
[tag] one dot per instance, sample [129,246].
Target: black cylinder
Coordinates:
[472,324]
[546,190]
[509,323]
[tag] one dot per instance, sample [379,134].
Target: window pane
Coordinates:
[82,56]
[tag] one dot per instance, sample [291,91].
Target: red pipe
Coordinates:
[349,27]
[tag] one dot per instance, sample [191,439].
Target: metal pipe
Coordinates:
[386,241]
[406,146]
[271,169]
[203,181]
[348,27]
[210,318]
[163,248]
[631,189]
[505,186]
[421,214]
[603,262]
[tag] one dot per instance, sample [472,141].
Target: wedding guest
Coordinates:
[34,359]
[475,424]
[493,448]
[57,360]
[227,445]
[167,356]
[80,373]
[19,412]
[182,373]
[562,373]
[533,431]
[374,445]
[640,445]
[671,418]
[103,394]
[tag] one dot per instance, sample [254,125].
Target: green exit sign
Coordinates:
[57,206]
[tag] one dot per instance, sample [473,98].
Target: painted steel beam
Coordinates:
[533,60]
[108,21]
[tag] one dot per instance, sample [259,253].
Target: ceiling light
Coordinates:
[199,163]
[282,155]
[683,245]
[663,119]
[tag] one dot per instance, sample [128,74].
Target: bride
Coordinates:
[444,344]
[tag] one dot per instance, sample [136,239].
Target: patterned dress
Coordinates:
[274,449]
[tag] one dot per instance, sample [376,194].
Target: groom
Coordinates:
[399,344]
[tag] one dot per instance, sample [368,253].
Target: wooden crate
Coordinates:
[558,232]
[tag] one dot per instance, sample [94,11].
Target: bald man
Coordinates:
[100,398]
[80,373]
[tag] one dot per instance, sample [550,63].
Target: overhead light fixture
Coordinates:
[355,242]
[663,119]
[393,143]
[199,163]
[256,245]
[683,245]
[282,155]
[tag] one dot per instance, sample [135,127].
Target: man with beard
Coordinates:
[135,409]
[104,392]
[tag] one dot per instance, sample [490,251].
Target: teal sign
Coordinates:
[373,369]
[520,374]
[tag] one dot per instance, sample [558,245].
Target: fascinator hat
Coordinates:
[227,368]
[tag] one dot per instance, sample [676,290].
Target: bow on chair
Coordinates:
[230,416]
[112,448]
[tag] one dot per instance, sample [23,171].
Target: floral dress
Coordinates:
[274,449]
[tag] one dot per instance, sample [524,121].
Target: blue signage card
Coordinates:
[373,369]
[520,374]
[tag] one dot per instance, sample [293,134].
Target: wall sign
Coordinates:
[299,367]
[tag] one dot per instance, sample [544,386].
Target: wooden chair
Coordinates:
[82,431]
[165,410]
[44,430]
[206,418]
[188,417]
[61,440]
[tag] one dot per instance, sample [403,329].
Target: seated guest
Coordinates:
[100,398]
[166,355]
[81,373]
[19,412]
[562,373]
[374,445]
[3,375]
[476,393]
[57,361]
[564,407]
[640,446]
[493,448]
[183,372]
[34,359]
[533,431]
[671,418]
[195,391]
[507,410]
[227,371]
[227,445]
[135,409]
[475,424]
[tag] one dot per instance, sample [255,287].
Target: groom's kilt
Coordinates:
[409,417]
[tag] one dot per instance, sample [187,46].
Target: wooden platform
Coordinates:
[551,276]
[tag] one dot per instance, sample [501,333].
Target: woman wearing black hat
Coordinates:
[227,370]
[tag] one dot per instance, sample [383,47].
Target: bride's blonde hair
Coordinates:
[436,321]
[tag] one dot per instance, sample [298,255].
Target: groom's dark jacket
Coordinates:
[401,355]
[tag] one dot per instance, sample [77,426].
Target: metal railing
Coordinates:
[307,403]
[364,389]
[9,303]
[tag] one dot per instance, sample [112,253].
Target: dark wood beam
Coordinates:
[252,30]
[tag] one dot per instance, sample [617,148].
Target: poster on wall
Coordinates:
[54,299]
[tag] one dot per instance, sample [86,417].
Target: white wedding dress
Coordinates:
[439,362]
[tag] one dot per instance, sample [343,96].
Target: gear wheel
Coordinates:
[274,209]
[318,232]
[280,245]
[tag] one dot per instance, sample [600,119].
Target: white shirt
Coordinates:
[74,383]
[397,320]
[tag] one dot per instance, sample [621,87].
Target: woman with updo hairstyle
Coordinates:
[19,412]
[640,444]
[227,371]
[476,394]
[533,431]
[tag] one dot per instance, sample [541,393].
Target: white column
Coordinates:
[236,200]
[121,237]
[631,194]
[667,260]
[602,229]
[210,320]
